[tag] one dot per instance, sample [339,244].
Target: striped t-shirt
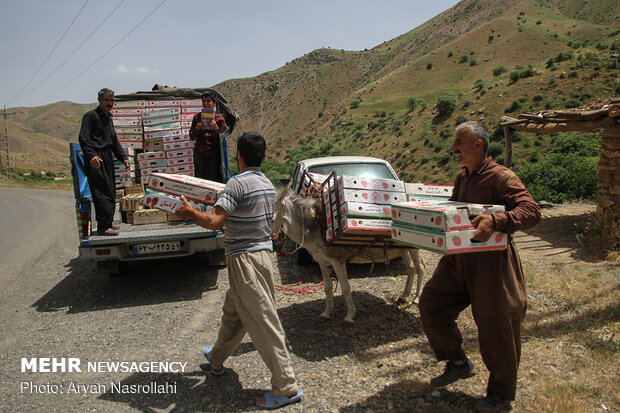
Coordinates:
[248,199]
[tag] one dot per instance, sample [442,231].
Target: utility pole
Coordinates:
[6,139]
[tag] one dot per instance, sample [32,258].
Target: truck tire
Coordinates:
[304,257]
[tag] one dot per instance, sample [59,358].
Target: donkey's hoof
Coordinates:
[325,315]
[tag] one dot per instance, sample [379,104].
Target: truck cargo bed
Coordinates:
[151,233]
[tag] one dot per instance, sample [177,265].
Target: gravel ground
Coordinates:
[55,306]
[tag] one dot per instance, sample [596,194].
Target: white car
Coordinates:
[365,166]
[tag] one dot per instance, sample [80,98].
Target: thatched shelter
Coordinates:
[602,116]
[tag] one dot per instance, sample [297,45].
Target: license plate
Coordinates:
[157,247]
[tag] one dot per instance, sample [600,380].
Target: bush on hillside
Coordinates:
[446,104]
[498,70]
[567,172]
[355,103]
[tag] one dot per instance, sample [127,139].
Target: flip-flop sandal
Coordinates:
[207,352]
[274,402]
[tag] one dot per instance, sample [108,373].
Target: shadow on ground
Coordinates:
[376,323]
[144,283]
[193,391]
[414,396]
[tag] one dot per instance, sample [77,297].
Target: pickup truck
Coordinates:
[135,242]
[343,165]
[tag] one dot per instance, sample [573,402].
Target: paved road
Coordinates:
[55,305]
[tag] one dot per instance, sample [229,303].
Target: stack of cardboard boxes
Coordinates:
[165,190]
[127,120]
[443,226]
[357,208]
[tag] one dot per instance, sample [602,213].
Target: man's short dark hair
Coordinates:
[477,131]
[208,94]
[103,92]
[251,146]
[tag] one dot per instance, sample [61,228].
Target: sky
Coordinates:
[68,50]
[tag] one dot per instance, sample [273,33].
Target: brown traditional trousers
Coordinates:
[492,283]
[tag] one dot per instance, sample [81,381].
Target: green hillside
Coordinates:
[491,57]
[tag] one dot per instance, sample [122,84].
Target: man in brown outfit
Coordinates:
[491,282]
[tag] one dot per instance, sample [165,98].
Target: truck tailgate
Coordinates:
[150,233]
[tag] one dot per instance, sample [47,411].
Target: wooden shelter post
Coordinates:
[508,134]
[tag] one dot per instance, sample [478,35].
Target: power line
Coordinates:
[48,56]
[103,55]
[74,52]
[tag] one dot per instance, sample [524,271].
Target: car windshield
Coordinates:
[366,170]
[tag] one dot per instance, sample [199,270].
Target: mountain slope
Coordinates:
[356,102]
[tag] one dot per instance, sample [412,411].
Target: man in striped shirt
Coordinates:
[245,209]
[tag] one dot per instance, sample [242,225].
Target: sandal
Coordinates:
[207,352]
[274,402]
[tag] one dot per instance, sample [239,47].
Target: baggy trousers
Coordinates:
[208,167]
[250,307]
[492,283]
[102,188]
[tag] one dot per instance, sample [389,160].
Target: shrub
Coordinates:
[429,66]
[498,70]
[538,97]
[355,103]
[450,54]
[479,84]
[491,37]
[446,104]
[601,234]
[495,149]
[515,106]
[538,22]
[463,58]
[473,62]
[514,75]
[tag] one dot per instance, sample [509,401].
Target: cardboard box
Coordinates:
[178,145]
[175,138]
[154,145]
[148,171]
[129,137]
[191,102]
[449,242]
[364,226]
[126,121]
[161,134]
[441,215]
[366,196]
[162,103]
[162,127]
[134,190]
[361,210]
[150,155]
[180,153]
[418,198]
[433,190]
[186,124]
[161,120]
[185,133]
[134,145]
[122,168]
[148,216]
[125,175]
[187,117]
[160,112]
[153,163]
[187,169]
[199,190]
[129,151]
[134,112]
[191,109]
[167,202]
[358,182]
[172,217]
[180,161]
[129,104]
[122,130]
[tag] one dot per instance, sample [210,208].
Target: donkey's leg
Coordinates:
[415,265]
[326,271]
[340,267]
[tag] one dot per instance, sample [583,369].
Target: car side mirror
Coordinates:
[284,181]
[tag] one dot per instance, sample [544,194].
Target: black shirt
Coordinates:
[97,134]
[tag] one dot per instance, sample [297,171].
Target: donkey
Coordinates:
[295,217]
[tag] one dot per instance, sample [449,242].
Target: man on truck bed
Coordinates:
[207,159]
[100,145]
[246,205]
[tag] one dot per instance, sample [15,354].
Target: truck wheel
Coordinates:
[304,257]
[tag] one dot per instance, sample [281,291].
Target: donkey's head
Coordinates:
[293,214]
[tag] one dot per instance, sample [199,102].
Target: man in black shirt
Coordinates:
[99,146]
